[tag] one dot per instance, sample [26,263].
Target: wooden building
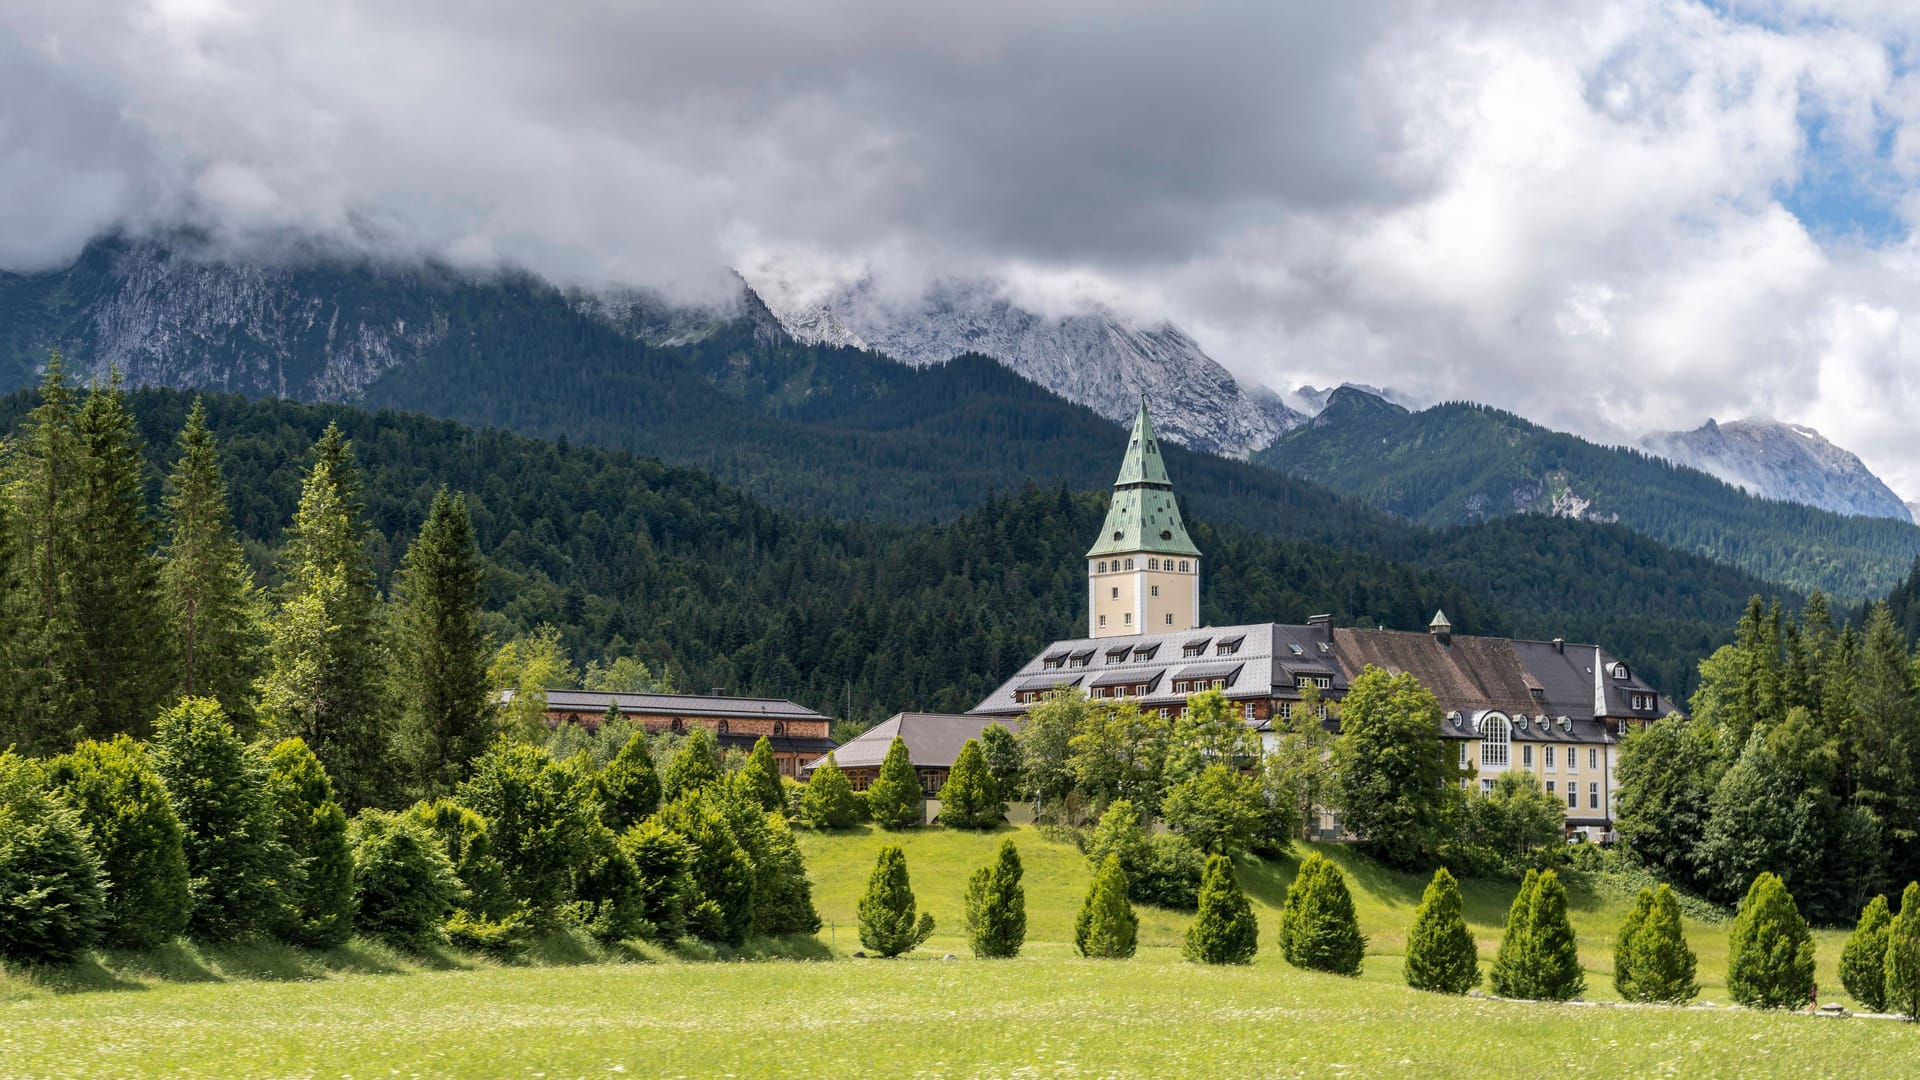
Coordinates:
[797,733]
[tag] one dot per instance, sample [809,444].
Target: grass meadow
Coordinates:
[576,1010]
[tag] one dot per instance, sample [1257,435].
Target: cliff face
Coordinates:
[1782,461]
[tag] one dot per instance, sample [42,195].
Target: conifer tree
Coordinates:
[1658,966]
[628,787]
[439,650]
[320,892]
[969,798]
[206,587]
[664,861]
[51,902]
[1552,952]
[45,478]
[1224,931]
[761,777]
[827,802]
[468,843]
[130,819]
[894,799]
[542,821]
[996,906]
[782,893]
[888,922]
[1511,976]
[1770,952]
[1903,955]
[1318,928]
[1441,954]
[1107,928]
[721,905]
[236,864]
[1863,963]
[1623,940]
[404,884]
[695,766]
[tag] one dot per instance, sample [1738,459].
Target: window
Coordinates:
[1573,759]
[1103,567]
[1593,795]
[1116,592]
[1593,757]
[1156,590]
[678,727]
[1573,796]
[1549,752]
[1538,694]
[1286,710]
[1129,564]
[1153,564]
[1249,711]
[1053,663]
[1464,763]
[1165,713]
[1321,710]
[1103,622]
[1169,618]
[1183,566]
[1550,787]
[1127,618]
[779,728]
[1486,786]
[1493,741]
[1643,701]
[1526,756]
[720,728]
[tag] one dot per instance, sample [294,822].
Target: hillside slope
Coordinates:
[1782,461]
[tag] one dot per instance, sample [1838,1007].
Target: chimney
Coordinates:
[1560,645]
[1442,629]
[1324,622]
[718,691]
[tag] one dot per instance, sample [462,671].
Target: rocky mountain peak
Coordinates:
[1778,460]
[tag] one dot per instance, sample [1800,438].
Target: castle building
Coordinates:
[1143,572]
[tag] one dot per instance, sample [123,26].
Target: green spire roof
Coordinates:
[1144,516]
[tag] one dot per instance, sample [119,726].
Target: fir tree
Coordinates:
[1903,955]
[721,905]
[312,827]
[969,798]
[996,906]
[782,893]
[1658,966]
[130,819]
[761,777]
[1511,976]
[828,802]
[1552,953]
[1441,954]
[1623,940]
[1770,952]
[48,716]
[629,789]
[664,861]
[206,587]
[888,923]
[1318,928]
[1107,928]
[894,799]
[237,867]
[439,650]
[1863,963]
[1224,931]
[695,766]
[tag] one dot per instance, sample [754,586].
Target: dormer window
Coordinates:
[1643,701]
[1538,693]
[1620,671]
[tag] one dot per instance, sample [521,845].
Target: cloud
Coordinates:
[1613,216]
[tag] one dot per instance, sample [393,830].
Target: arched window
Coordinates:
[678,727]
[1129,564]
[1494,740]
[720,728]
[1103,567]
[779,728]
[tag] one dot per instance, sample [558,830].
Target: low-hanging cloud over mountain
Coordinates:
[1614,217]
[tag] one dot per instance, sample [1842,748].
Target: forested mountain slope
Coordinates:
[1458,462]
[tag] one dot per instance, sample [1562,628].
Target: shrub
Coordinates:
[695,765]
[1441,954]
[1224,931]
[468,845]
[1162,870]
[628,787]
[236,866]
[663,859]
[405,884]
[996,906]
[828,802]
[1318,929]
[1107,927]
[1552,956]
[608,893]
[124,806]
[721,906]
[52,907]
[542,819]
[782,894]
[1770,955]
[1863,963]
[312,827]
[761,778]
[888,924]
[1219,809]
[1903,955]
[1511,975]
[970,799]
[1651,960]
[894,799]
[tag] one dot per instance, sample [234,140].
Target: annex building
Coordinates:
[797,734]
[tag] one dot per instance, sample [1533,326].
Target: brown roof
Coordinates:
[1472,673]
[933,740]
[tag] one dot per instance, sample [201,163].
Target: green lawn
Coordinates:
[362,1012]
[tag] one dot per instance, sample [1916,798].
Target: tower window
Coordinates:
[1103,620]
[1116,592]
[1183,566]
[1169,618]
[1153,564]
[1127,618]
[1129,564]
[1156,590]
[1103,567]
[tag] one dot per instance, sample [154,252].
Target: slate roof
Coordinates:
[595,701]
[933,740]
[1143,516]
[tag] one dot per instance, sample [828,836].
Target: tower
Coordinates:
[1143,572]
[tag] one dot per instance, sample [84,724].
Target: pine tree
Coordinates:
[1552,953]
[969,799]
[996,906]
[47,717]
[827,802]
[1863,963]
[1107,928]
[1441,954]
[761,775]
[695,766]
[894,799]
[1511,976]
[206,587]
[124,805]
[1224,931]
[237,867]
[629,789]
[439,650]
[1770,953]
[888,924]
[1318,928]
[320,893]
[1903,955]
[1658,966]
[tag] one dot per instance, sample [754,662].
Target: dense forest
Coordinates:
[1460,462]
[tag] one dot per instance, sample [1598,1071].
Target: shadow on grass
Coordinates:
[363,957]
[268,961]
[176,961]
[85,976]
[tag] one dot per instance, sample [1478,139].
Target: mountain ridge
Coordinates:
[1778,460]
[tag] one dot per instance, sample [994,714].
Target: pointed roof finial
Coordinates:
[1143,464]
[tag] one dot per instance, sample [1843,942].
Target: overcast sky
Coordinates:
[1611,217]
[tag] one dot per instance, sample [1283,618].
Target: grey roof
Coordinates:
[933,740]
[1130,676]
[1052,680]
[595,701]
[1224,669]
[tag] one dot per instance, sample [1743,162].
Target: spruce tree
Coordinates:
[440,651]
[128,815]
[761,777]
[236,864]
[52,906]
[782,892]
[695,766]
[320,893]
[629,790]
[969,798]
[1770,953]
[1903,955]
[827,802]
[206,587]
[1511,976]
[996,906]
[894,799]
[664,861]
[1863,963]
[1107,928]
[1224,931]
[1441,953]
[1623,940]
[47,714]
[1659,965]
[888,923]
[1318,928]
[1552,952]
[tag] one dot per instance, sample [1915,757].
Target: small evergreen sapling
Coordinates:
[1863,963]
[761,778]
[888,921]
[313,828]
[695,765]
[1903,955]
[1552,954]
[1107,928]
[894,799]
[1224,931]
[124,805]
[970,799]
[1441,954]
[628,787]
[51,904]
[1659,966]
[1623,940]
[1770,954]
[997,906]
[827,802]
[1511,975]
[1318,928]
